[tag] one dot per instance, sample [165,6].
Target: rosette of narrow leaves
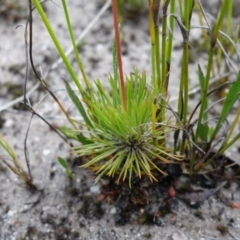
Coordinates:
[122,143]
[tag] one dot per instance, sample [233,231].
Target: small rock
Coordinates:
[10,213]
[9,123]
[113,211]
[46,152]
[95,189]
[179,236]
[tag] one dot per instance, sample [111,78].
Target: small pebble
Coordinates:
[9,123]
[179,236]
[95,189]
[46,152]
[10,213]
[104,181]
[113,211]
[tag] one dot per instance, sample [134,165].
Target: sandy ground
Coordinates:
[63,210]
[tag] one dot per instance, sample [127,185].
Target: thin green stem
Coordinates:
[157,58]
[153,65]
[184,77]
[77,55]
[185,61]
[187,9]
[57,44]
[230,17]
[183,105]
[170,44]
[152,38]
[164,40]
[213,40]
[180,8]
[155,6]
[205,90]
[218,24]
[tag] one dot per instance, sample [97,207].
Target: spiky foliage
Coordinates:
[125,143]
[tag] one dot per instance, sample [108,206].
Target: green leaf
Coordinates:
[63,162]
[57,44]
[82,139]
[210,132]
[70,30]
[68,132]
[78,104]
[203,133]
[71,134]
[201,79]
[232,96]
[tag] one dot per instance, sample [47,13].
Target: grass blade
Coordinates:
[78,104]
[232,96]
[201,79]
[74,43]
[57,44]
[75,135]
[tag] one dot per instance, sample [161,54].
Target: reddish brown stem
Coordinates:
[119,54]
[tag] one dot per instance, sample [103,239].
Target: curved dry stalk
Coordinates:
[212,105]
[184,31]
[31,110]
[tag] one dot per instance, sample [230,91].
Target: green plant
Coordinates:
[130,142]
[126,128]
[68,171]
[15,165]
